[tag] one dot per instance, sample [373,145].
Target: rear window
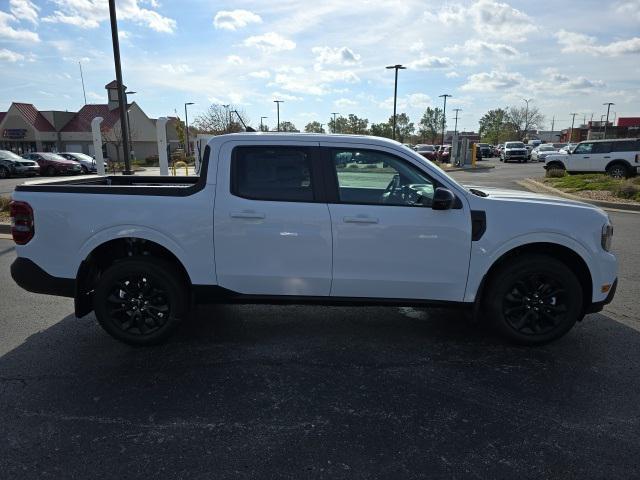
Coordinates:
[626,146]
[272,173]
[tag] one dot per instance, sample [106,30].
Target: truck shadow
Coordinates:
[260,391]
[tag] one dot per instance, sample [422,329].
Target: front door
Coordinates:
[387,241]
[581,160]
[272,231]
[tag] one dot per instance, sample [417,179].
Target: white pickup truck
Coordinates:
[306,218]
[620,158]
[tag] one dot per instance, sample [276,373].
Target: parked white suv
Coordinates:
[308,218]
[620,158]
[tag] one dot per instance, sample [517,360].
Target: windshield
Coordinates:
[82,156]
[7,155]
[54,157]
[514,145]
[546,148]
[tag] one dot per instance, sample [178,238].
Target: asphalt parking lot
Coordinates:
[321,392]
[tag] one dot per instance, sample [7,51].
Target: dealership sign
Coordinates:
[14,133]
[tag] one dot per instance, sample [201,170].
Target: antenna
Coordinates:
[82,79]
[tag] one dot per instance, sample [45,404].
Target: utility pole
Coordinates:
[186,128]
[261,126]
[455,129]
[121,96]
[608,104]
[82,80]
[334,121]
[526,116]
[444,113]
[553,123]
[278,102]
[573,117]
[395,94]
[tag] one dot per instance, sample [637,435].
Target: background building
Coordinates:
[24,128]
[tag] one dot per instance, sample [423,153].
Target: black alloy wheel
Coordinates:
[533,299]
[140,300]
[617,170]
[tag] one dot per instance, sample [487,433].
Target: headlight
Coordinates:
[607,235]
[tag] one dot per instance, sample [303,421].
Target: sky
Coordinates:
[328,56]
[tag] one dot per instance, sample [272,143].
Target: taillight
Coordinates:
[22,228]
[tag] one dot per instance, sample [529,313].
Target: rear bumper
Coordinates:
[34,279]
[598,306]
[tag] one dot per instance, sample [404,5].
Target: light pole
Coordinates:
[455,129]
[573,118]
[121,95]
[278,102]
[526,115]
[608,104]
[228,119]
[444,113]
[126,98]
[261,126]
[186,127]
[334,121]
[395,94]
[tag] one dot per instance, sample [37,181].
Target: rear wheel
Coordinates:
[85,170]
[618,170]
[141,300]
[534,299]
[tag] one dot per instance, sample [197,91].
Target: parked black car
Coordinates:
[14,165]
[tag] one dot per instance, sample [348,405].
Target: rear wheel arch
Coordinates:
[564,254]
[112,251]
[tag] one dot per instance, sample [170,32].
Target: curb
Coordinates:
[528,183]
[488,167]
[5,228]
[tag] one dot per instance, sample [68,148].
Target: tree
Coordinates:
[314,127]
[522,120]
[431,124]
[339,125]
[404,127]
[356,125]
[113,136]
[180,130]
[495,127]
[218,120]
[382,129]
[288,127]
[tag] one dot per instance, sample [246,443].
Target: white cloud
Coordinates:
[572,42]
[416,46]
[293,83]
[345,103]
[429,62]
[629,8]
[501,19]
[24,10]
[452,75]
[234,19]
[481,48]
[10,56]
[10,33]
[88,14]
[269,42]
[335,56]
[338,76]
[418,100]
[235,60]
[285,96]
[492,81]
[176,69]
[264,74]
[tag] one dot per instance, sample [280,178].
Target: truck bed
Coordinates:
[120,185]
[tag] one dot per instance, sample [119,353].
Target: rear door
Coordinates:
[386,243]
[272,230]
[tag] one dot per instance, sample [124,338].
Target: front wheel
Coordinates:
[141,300]
[534,299]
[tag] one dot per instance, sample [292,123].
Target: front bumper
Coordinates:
[34,279]
[598,306]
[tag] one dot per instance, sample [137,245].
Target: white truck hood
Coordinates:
[556,156]
[522,196]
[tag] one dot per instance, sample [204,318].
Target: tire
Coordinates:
[4,172]
[51,171]
[534,299]
[85,170]
[132,282]
[618,170]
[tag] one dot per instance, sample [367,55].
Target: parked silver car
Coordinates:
[87,162]
[540,152]
[14,165]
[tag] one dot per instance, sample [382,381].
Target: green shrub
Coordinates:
[628,190]
[4,204]
[556,173]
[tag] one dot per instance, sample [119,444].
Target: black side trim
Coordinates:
[478,224]
[34,279]
[598,306]
[129,184]
[217,294]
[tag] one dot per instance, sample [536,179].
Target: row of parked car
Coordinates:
[536,152]
[441,153]
[45,163]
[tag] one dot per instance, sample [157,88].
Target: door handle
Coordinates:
[360,220]
[248,215]
[586,157]
[607,157]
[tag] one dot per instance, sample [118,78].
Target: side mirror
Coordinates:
[443,199]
